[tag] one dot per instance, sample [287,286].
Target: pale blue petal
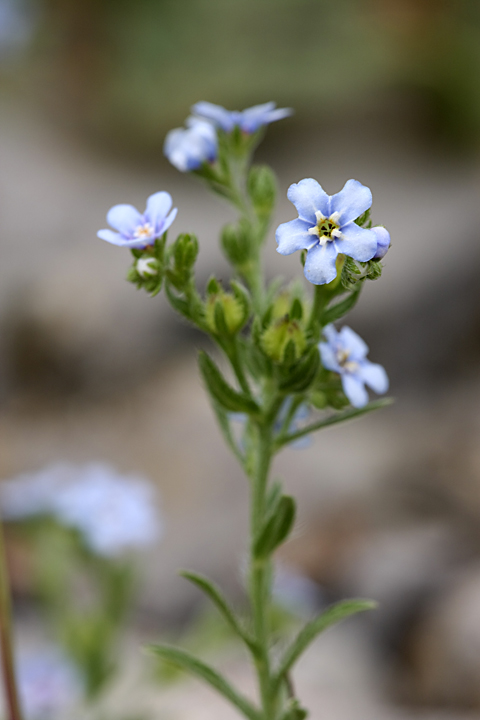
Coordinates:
[351,341]
[253,118]
[292,236]
[320,264]
[158,206]
[383,241]
[124,218]
[358,243]
[351,201]
[168,220]
[354,389]
[329,357]
[110,236]
[309,197]
[217,114]
[374,376]
[330,333]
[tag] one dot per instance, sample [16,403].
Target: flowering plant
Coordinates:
[288,371]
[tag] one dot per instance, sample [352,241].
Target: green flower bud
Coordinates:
[182,255]
[284,341]
[236,243]
[225,314]
[262,188]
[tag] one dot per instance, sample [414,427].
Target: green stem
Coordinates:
[259,571]
[6,643]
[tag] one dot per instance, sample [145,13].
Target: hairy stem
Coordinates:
[6,643]
[259,570]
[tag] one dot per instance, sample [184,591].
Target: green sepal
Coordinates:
[296,312]
[311,630]
[243,296]
[289,354]
[213,286]
[364,220]
[277,527]
[183,253]
[221,391]
[201,670]
[220,321]
[216,596]
[301,375]
[374,269]
[294,711]
[337,311]
[180,305]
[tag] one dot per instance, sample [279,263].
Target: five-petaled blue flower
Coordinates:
[325,227]
[249,120]
[345,353]
[187,148]
[136,230]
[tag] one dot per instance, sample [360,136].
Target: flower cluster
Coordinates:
[188,148]
[113,513]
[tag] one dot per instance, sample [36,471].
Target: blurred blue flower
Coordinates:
[295,592]
[112,512]
[136,230]
[249,120]
[325,227]
[345,353]
[383,241]
[187,148]
[48,684]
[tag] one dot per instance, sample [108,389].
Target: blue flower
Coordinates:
[345,353]
[136,230]
[383,241]
[325,227]
[187,148]
[249,120]
[49,684]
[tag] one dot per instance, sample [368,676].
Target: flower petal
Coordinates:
[374,376]
[217,114]
[158,206]
[292,236]
[351,201]
[383,241]
[308,196]
[329,357]
[124,218]
[320,264]
[357,242]
[354,389]
[351,341]
[110,236]
[169,220]
[253,118]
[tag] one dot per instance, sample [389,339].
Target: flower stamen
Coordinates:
[144,232]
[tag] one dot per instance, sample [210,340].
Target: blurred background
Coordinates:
[384,91]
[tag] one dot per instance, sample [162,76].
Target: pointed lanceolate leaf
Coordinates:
[221,391]
[337,311]
[218,599]
[277,527]
[197,667]
[309,632]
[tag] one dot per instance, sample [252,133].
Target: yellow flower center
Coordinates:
[326,229]
[144,232]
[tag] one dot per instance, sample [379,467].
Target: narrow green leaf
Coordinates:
[335,312]
[221,391]
[216,596]
[277,527]
[180,305]
[309,632]
[224,425]
[333,420]
[201,670]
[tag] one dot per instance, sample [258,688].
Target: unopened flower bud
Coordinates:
[147,267]
[383,241]
[279,335]
[223,312]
